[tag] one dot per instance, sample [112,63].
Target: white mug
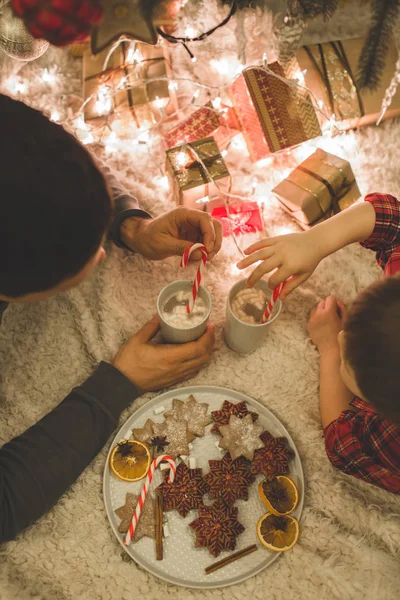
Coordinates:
[246,337]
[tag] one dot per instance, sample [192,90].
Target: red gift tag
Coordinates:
[243,218]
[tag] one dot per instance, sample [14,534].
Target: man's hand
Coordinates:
[325,323]
[170,234]
[153,366]
[294,256]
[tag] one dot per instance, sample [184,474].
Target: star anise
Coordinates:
[159,443]
[125,449]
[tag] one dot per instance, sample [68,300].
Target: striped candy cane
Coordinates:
[196,283]
[270,306]
[145,491]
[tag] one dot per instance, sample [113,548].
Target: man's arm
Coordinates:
[37,467]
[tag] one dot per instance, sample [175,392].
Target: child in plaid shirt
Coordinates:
[360,350]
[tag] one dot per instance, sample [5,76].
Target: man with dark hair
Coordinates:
[56,209]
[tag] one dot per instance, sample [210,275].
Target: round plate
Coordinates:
[183,564]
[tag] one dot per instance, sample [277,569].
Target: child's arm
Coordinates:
[296,256]
[323,327]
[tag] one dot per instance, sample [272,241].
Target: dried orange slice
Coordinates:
[278,533]
[130,460]
[280,495]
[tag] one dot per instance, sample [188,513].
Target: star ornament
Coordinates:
[217,527]
[273,459]
[229,479]
[147,523]
[241,437]
[222,416]
[131,18]
[185,492]
[195,413]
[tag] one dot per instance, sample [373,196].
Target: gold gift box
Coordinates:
[141,103]
[320,187]
[330,73]
[193,186]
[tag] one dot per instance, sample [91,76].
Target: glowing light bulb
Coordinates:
[15,85]
[134,55]
[181,159]
[222,66]
[103,104]
[87,138]
[49,77]
[265,162]
[161,102]
[162,182]
[193,59]
[203,200]
[320,103]
[224,152]
[299,75]
[55,115]
[217,103]
[196,94]
[190,32]
[173,85]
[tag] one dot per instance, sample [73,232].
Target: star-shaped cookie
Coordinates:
[176,434]
[145,434]
[217,527]
[222,416]
[229,479]
[147,521]
[273,459]
[193,412]
[241,437]
[185,492]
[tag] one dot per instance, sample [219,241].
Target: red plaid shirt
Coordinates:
[363,443]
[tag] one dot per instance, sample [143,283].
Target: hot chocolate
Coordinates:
[175,313]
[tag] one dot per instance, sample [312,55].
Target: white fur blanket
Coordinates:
[350,542]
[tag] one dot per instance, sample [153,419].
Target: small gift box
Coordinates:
[124,89]
[192,183]
[242,218]
[273,114]
[330,73]
[222,123]
[318,188]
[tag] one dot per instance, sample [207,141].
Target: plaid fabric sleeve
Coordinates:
[353,447]
[386,236]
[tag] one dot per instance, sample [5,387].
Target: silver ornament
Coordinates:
[288,38]
[15,40]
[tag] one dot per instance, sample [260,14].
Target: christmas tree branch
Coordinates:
[374,52]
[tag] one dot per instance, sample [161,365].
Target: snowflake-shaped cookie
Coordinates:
[147,523]
[241,437]
[273,459]
[217,527]
[176,434]
[193,412]
[222,416]
[229,479]
[185,492]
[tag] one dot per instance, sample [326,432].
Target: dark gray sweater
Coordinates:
[37,467]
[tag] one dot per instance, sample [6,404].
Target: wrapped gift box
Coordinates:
[143,104]
[191,183]
[330,73]
[318,188]
[273,115]
[245,217]
[221,123]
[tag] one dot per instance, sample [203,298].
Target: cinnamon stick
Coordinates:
[230,559]
[159,526]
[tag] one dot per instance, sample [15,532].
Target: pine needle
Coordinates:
[374,52]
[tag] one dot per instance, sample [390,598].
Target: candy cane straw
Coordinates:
[196,284]
[145,491]
[268,311]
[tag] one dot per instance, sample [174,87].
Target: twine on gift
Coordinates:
[270,306]
[145,491]
[197,280]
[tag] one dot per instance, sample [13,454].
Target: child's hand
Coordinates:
[325,323]
[294,256]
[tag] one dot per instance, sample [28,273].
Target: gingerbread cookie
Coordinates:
[185,492]
[222,416]
[241,437]
[217,527]
[229,479]
[145,434]
[273,459]
[147,521]
[193,412]
[176,435]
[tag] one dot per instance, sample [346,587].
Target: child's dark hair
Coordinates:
[54,203]
[372,345]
